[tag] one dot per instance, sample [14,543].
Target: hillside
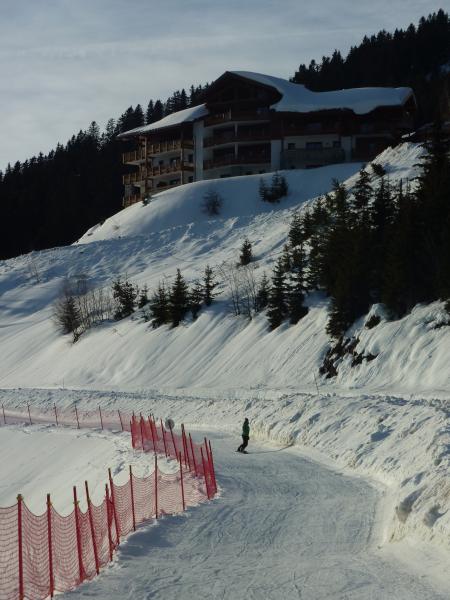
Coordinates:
[148,243]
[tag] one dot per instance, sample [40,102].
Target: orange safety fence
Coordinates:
[48,553]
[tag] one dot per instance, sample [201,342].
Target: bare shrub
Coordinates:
[212,203]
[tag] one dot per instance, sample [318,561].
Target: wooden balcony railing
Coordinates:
[235,160]
[134,177]
[134,156]
[172,168]
[229,138]
[231,115]
[169,146]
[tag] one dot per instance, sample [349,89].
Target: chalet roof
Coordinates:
[297,98]
[182,116]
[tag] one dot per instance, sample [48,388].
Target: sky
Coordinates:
[65,63]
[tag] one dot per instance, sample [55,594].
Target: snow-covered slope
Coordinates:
[237,361]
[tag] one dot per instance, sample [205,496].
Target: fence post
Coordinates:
[142,432]
[91,523]
[153,435]
[132,499]
[4,418]
[173,442]
[56,415]
[76,413]
[109,518]
[205,473]
[29,415]
[186,454]
[181,481]
[163,437]
[213,469]
[156,486]
[113,502]
[193,456]
[20,540]
[132,435]
[50,548]
[120,419]
[78,532]
[101,418]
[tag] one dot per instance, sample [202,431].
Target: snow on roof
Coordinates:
[297,98]
[176,118]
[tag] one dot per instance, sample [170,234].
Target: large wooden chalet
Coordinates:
[251,123]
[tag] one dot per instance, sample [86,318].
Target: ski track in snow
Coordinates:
[283,528]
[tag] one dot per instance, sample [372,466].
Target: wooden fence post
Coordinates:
[156,486]
[193,455]
[78,532]
[101,418]
[109,518]
[213,469]
[29,414]
[4,418]
[163,437]
[76,413]
[205,473]
[142,433]
[113,501]
[153,435]
[20,545]
[181,481]
[132,499]
[120,419]
[91,523]
[173,442]
[56,415]
[50,547]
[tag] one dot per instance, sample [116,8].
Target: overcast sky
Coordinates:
[65,63]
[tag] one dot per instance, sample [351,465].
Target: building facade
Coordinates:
[251,123]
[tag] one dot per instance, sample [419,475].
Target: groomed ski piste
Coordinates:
[345,492]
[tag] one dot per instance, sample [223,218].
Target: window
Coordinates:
[313,145]
[190,158]
[291,146]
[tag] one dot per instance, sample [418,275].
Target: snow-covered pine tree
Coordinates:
[196,299]
[124,293]
[178,300]
[246,255]
[277,306]
[262,294]
[209,285]
[143,297]
[296,287]
[159,306]
[296,234]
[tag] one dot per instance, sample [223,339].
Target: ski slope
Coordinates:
[387,419]
[284,527]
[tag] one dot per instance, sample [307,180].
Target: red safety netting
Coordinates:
[48,553]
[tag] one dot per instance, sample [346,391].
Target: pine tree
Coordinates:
[178,300]
[246,255]
[159,306]
[277,306]
[295,296]
[362,194]
[286,259]
[124,293]
[209,285]
[196,299]
[143,297]
[67,316]
[296,233]
[262,294]
[149,113]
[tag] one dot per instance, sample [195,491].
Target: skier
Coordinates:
[245,437]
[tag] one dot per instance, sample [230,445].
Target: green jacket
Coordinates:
[246,429]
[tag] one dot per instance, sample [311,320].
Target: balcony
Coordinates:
[313,156]
[131,178]
[169,146]
[231,115]
[172,168]
[135,156]
[226,161]
[229,138]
